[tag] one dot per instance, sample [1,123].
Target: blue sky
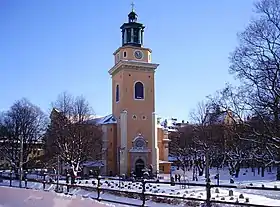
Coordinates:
[50,46]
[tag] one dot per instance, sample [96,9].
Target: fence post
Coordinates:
[25,179]
[143,197]
[44,180]
[10,177]
[208,194]
[67,182]
[98,187]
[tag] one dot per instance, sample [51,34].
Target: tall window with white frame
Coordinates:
[138,90]
[117,93]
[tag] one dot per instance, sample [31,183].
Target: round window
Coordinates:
[139,143]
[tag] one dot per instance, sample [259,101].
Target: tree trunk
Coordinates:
[262,171]
[200,171]
[237,170]
[278,173]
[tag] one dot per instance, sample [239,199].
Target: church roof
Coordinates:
[109,119]
[172,125]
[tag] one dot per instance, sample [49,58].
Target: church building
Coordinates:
[133,139]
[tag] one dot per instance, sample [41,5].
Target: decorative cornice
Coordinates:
[133,150]
[133,65]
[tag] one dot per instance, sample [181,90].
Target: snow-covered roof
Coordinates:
[97,163]
[218,118]
[172,158]
[109,119]
[171,125]
[164,161]
[93,119]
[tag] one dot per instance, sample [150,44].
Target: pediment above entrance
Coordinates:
[139,144]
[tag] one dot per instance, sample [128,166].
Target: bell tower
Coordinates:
[132,31]
[133,100]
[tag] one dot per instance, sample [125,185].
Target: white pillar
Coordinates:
[123,146]
[155,151]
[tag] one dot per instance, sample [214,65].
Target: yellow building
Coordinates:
[31,160]
[133,138]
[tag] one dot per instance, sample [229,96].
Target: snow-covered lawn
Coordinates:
[15,197]
[247,177]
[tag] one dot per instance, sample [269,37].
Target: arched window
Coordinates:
[117,93]
[139,90]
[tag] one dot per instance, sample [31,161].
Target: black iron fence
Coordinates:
[144,195]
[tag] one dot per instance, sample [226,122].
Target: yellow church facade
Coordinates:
[133,138]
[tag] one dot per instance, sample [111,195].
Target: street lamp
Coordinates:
[57,173]
[20,160]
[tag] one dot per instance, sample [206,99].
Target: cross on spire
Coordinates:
[132,6]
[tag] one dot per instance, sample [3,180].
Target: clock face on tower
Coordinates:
[138,54]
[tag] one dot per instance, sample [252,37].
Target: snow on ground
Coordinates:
[247,177]
[83,193]
[15,197]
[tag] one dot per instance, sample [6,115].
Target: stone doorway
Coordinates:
[139,166]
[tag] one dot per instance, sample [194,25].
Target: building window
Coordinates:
[117,93]
[139,90]
[134,117]
[124,54]
[144,117]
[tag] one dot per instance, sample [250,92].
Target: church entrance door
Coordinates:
[139,166]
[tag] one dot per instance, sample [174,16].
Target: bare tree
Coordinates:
[207,135]
[72,135]
[236,151]
[23,121]
[250,141]
[256,63]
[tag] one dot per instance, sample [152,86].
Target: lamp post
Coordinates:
[208,187]
[57,173]
[20,161]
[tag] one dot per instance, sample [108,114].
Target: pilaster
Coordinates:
[155,150]
[123,145]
